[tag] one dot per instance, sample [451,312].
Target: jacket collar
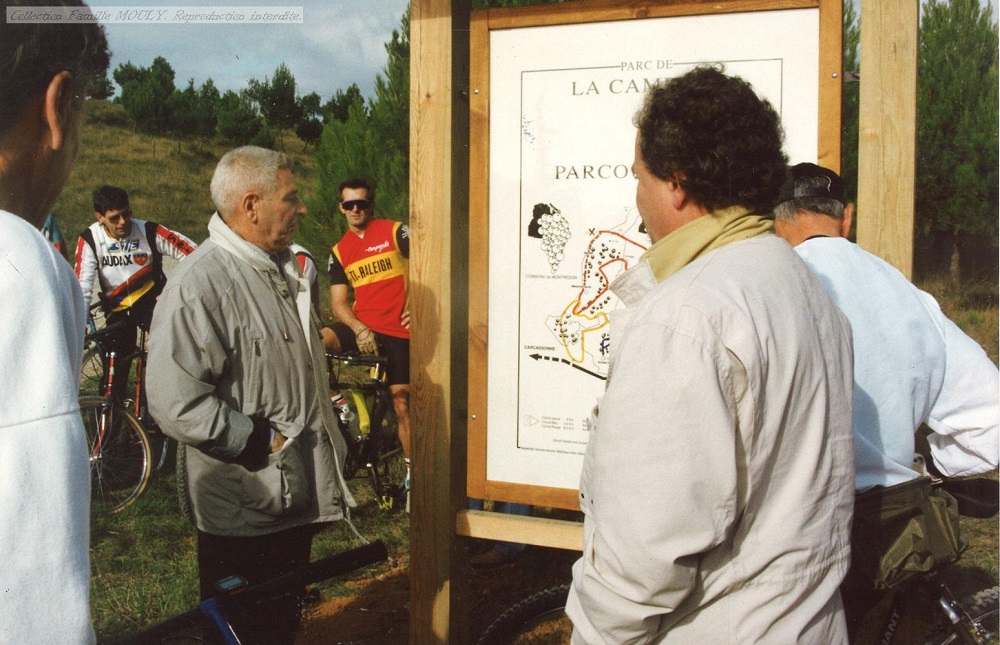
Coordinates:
[228,239]
[683,246]
[266,264]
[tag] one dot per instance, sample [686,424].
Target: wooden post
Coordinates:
[887,145]
[437,293]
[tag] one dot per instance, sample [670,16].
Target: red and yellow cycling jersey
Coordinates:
[376,267]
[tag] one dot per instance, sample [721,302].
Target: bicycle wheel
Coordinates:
[120,459]
[91,371]
[384,453]
[180,475]
[539,618]
[981,611]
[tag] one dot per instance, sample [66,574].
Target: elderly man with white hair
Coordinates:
[237,373]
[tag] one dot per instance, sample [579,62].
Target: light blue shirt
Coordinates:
[912,365]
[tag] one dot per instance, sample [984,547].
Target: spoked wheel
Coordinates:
[981,613]
[91,370]
[539,618]
[120,459]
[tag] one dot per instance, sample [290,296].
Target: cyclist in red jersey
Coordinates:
[372,258]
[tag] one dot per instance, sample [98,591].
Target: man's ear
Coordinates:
[97,216]
[845,222]
[249,205]
[58,108]
[677,192]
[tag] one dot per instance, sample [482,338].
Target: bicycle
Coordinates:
[121,453]
[372,435]
[921,611]
[233,592]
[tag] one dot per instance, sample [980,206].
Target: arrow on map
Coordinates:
[540,357]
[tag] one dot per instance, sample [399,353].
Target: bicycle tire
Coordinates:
[91,370]
[981,610]
[539,618]
[120,470]
[180,477]
[384,452]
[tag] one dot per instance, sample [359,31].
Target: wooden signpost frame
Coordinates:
[478,524]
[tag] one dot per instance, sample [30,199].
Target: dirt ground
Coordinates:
[378,613]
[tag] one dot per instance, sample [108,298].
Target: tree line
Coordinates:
[256,114]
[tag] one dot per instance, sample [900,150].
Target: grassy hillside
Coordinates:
[168,182]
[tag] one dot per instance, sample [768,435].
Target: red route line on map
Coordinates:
[600,269]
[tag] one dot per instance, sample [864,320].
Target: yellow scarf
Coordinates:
[696,238]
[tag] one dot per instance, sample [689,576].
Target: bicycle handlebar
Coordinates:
[101,334]
[366,360]
[337,564]
[977,497]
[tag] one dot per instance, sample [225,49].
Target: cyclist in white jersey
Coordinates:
[124,255]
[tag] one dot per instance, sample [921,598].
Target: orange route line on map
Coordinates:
[603,317]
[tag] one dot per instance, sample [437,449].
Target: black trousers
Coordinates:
[258,559]
[123,342]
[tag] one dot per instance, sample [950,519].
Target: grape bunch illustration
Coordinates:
[549,225]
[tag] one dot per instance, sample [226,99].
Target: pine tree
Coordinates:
[275,98]
[957,115]
[850,102]
[146,93]
[338,106]
[237,119]
[370,141]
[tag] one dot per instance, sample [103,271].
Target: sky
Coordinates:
[338,42]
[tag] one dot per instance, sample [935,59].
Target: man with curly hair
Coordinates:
[46,70]
[717,486]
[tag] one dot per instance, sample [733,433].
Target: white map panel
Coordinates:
[562,213]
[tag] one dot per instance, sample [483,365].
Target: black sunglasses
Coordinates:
[125,214]
[360,204]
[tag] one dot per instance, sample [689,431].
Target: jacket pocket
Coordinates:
[278,490]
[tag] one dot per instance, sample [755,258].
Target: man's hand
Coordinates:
[366,341]
[404,319]
[278,442]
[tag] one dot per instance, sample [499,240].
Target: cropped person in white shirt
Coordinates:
[46,70]
[912,366]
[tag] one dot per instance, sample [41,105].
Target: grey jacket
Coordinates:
[233,337]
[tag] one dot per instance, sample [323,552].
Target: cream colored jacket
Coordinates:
[717,485]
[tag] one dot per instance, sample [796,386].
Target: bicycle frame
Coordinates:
[367,449]
[115,425]
[901,617]
[216,608]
